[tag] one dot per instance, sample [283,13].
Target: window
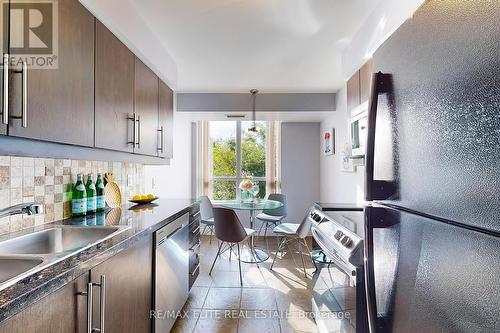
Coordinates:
[233,154]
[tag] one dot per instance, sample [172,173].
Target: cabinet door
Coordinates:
[5,18]
[146,108]
[365,81]
[60,101]
[3,128]
[166,121]
[128,293]
[353,91]
[114,91]
[62,311]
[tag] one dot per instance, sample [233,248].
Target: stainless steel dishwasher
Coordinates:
[171,272]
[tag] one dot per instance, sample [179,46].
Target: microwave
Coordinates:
[359,129]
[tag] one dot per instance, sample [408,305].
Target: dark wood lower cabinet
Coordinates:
[128,291]
[127,298]
[62,311]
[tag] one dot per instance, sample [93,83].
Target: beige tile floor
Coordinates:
[270,301]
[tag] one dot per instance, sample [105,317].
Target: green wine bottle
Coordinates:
[91,194]
[79,198]
[100,204]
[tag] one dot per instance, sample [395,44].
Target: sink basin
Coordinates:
[56,240]
[13,267]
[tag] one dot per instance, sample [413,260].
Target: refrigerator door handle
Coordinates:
[375,190]
[369,273]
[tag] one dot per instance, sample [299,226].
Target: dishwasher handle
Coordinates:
[170,229]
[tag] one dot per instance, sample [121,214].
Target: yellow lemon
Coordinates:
[151,196]
[144,197]
[137,197]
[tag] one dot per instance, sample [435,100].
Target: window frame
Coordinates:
[238,178]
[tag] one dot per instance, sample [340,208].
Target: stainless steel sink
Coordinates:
[57,240]
[14,267]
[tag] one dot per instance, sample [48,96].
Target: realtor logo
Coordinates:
[32,34]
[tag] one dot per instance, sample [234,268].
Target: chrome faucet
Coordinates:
[29,208]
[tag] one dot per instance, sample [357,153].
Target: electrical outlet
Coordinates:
[130,180]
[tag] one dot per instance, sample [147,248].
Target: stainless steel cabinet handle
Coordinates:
[160,149]
[24,114]
[195,231]
[102,302]
[5,117]
[138,122]
[24,97]
[90,304]
[134,129]
[195,269]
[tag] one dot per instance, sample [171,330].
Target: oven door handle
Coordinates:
[318,237]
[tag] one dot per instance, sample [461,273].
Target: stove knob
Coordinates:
[317,218]
[338,235]
[346,241]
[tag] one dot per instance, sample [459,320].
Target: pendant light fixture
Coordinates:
[254,128]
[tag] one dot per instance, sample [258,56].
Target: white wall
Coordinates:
[383,21]
[174,180]
[338,186]
[300,150]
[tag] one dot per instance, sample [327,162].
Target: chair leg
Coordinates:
[302,257]
[239,263]
[310,255]
[280,243]
[260,229]
[230,252]
[211,228]
[217,256]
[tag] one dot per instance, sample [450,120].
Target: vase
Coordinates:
[247,196]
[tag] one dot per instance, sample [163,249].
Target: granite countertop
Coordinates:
[141,221]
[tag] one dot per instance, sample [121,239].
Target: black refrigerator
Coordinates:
[432,232]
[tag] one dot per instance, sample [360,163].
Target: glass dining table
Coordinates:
[250,254]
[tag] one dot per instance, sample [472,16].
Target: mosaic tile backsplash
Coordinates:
[50,182]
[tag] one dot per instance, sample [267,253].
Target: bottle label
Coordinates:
[91,219]
[79,206]
[100,204]
[80,187]
[91,204]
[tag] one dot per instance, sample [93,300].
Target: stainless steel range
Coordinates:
[338,296]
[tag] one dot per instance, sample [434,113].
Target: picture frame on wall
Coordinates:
[328,142]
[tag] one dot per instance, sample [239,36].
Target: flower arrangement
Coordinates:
[247,183]
[247,187]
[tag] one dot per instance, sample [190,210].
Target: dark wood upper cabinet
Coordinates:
[114,91]
[165,121]
[353,91]
[365,81]
[3,128]
[63,311]
[60,101]
[128,296]
[146,109]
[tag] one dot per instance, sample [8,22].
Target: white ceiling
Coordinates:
[271,45]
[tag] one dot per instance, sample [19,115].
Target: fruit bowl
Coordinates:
[143,200]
